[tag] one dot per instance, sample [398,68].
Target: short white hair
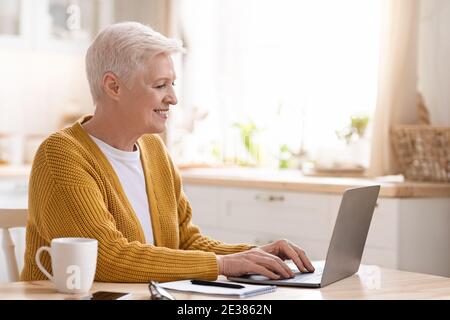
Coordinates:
[122,48]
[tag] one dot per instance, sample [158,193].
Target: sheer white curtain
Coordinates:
[396,101]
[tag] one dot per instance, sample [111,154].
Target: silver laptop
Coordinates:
[346,245]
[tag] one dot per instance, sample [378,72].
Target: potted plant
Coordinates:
[248,132]
[354,136]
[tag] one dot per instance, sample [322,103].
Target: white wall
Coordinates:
[433,58]
[36,88]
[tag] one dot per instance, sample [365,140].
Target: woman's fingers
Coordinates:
[262,262]
[274,264]
[305,260]
[256,268]
[289,252]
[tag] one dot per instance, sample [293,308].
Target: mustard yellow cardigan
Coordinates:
[74,192]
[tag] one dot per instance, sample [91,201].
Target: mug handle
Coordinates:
[38,260]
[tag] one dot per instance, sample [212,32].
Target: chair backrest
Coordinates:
[11,218]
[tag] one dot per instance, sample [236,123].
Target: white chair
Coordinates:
[11,218]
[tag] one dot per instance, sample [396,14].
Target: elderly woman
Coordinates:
[109,177]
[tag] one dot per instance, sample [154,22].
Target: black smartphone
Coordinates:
[109,295]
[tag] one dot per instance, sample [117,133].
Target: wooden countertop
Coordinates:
[294,180]
[371,282]
[15,171]
[289,180]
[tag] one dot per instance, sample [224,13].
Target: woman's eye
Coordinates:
[164,85]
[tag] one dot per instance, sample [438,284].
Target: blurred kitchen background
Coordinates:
[271,93]
[280,84]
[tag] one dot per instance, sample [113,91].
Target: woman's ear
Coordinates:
[111,85]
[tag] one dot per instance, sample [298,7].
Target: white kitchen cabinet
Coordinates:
[13,192]
[15,27]
[288,213]
[406,233]
[61,25]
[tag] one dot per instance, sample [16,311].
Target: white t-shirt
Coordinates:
[128,168]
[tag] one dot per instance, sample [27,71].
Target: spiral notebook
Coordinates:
[248,290]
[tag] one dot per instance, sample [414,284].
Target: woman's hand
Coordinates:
[266,260]
[255,260]
[284,249]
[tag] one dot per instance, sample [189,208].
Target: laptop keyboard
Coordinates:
[314,277]
[306,277]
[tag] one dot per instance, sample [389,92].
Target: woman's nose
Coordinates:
[172,97]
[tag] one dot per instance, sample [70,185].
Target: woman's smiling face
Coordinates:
[145,106]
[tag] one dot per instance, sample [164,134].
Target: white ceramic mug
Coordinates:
[74,261]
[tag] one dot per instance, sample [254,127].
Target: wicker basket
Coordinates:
[423,152]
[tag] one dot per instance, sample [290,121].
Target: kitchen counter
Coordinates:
[288,180]
[294,180]
[15,171]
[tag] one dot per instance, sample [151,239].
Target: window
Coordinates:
[262,77]
[9,17]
